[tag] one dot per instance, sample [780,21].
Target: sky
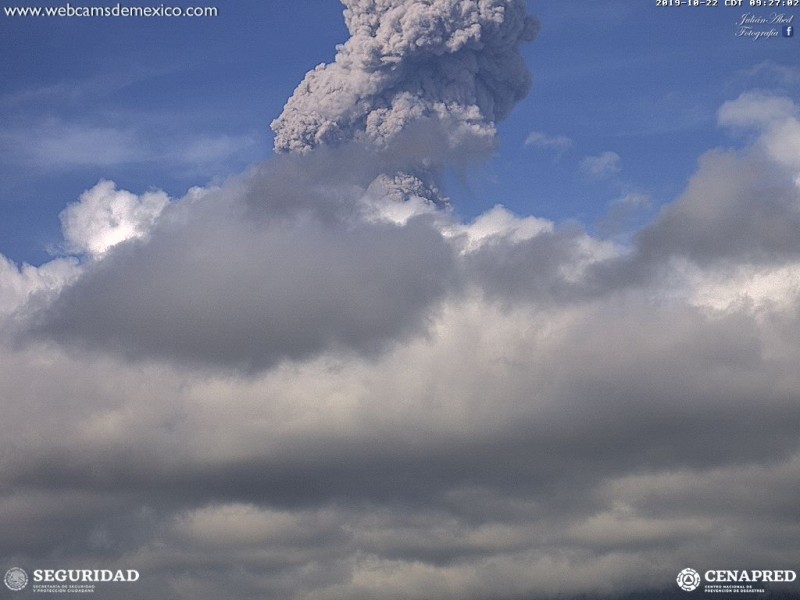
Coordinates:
[500,301]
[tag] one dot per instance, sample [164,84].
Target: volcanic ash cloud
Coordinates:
[452,64]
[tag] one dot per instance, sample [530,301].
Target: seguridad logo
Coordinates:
[84,575]
[17,579]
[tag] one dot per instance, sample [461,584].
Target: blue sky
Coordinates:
[173,103]
[167,103]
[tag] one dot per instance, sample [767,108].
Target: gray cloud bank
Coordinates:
[292,386]
[284,388]
[255,288]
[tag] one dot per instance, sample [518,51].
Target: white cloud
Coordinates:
[208,149]
[756,109]
[777,122]
[501,225]
[759,288]
[58,144]
[555,143]
[105,216]
[601,166]
[773,73]
[19,283]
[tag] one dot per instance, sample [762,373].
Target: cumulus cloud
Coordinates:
[733,209]
[291,288]
[19,282]
[105,216]
[293,385]
[395,405]
[776,120]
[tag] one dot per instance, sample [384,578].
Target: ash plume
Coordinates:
[455,63]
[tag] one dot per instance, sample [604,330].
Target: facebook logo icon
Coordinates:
[788,31]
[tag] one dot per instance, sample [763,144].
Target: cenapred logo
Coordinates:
[16,579]
[688,580]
